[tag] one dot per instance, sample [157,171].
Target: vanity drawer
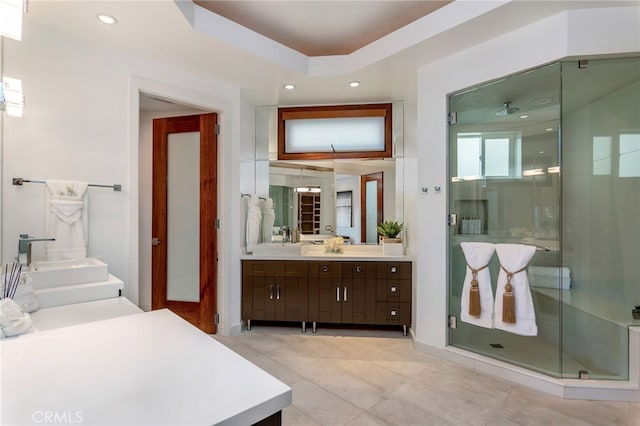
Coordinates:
[397,270]
[359,269]
[325,269]
[393,313]
[393,290]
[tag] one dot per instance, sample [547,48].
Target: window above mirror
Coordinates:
[336,131]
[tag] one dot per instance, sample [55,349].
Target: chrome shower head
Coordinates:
[507,110]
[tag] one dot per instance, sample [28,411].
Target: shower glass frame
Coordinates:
[506,186]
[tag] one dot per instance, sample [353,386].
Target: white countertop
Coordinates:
[79,313]
[150,368]
[308,251]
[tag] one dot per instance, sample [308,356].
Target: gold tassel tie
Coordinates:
[508,299]
[474,292]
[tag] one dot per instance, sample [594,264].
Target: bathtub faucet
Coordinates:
[24,248]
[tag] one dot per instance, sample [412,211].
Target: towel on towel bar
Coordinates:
[67,219]
[268,219]
[477,256]
[549,277]
[254,220]
[513,258]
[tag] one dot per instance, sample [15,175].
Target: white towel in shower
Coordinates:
[254,220]
[477,256]
[513,258]
[268,219]
[67,219]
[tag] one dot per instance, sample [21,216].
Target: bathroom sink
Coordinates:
[277,249]
[57,273]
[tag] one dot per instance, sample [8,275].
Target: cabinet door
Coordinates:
[263,296]
[292,298]
[325,287]
[359,292]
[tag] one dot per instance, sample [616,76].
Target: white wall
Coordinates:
[82,123]
[581,32]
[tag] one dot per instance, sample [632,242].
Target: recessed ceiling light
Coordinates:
[354,83]
[106,19]
[524,116]
[549,129]
[289,86]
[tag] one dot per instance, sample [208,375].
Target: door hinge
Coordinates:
[452,322]
[216,318]
[217,129]
[217,223]
[155,241]
[452,118]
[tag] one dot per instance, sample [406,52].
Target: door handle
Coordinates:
[270,292]
[278,292]
[345,295]
[337,294]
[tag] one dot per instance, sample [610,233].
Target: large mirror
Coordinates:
[324,198]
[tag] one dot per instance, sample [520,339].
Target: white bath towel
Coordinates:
[25,298]
[268,218]
[514,258]
[477,256]
[254,220]
[549,277]
[12,320]
[67,219]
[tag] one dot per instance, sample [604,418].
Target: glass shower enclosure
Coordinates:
[549,159]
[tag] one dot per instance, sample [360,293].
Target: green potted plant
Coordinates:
[389,231]
[391,244]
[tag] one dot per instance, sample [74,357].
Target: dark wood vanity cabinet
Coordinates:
[325,291]
[342,292]
[393,293]
[275,290]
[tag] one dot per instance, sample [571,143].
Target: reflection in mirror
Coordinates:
[331,176]
[303,198]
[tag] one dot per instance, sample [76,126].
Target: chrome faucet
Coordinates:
[24,248]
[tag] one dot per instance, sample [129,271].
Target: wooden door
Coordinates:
[370,216]
[184,253]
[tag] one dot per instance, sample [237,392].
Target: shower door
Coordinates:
[504,187]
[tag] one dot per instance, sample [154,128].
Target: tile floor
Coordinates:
[364,377]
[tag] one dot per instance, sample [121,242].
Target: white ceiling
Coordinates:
[200,41]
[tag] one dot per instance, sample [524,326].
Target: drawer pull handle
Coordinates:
[394,269]
[270,292]
[394,289]
[394,313]
[325,268]
[278,293]
[345,295]
[337,294]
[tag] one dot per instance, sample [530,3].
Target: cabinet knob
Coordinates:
[394,313]
[358,268]
[394,289]
[325,268]
[394,269]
